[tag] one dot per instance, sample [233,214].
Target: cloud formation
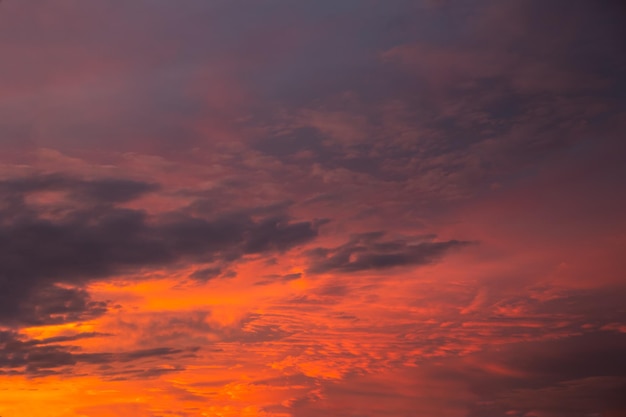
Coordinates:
[369,252]
[38,358]
[279,209]
[88,237]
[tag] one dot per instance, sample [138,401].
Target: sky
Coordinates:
[292,208]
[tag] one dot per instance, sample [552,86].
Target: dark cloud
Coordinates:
[147,353]
[577,376]
[269,279]
[277,234]
[53,304]
[58,339]
[79,243]
[453,109]
[595,354]
[286,145]
[369,252]
[32,357]
[206,274]
[154,372]
[105,190]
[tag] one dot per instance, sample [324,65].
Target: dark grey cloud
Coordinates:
[32,357]
[594,354]
[53,304]
[82,242]
[277,234]
[105,190]
[370,252]
[579,376]
[478,97]
[206,274]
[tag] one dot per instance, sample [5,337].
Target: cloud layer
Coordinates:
[297,209]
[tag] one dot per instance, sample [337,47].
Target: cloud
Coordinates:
[580,375]
[32,357]
[199,327]
[206,274]
[378,115]
[100,190]
[273,278]
[54,304]
[369,252]
[75,243]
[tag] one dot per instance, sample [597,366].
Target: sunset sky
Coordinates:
[312,208]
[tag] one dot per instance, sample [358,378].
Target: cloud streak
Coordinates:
[368,252]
